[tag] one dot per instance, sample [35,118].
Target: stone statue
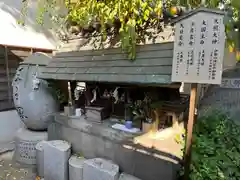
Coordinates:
[32,98]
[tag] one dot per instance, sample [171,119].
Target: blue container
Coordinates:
[128,124]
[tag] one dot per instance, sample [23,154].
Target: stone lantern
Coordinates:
[33,100]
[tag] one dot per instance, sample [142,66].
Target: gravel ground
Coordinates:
[10,170]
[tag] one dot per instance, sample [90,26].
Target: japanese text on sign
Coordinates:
[203,34]
[192,34]
[216,32]
[199,49]
[181,32]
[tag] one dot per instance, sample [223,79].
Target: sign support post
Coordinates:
[191,121]
[198,59]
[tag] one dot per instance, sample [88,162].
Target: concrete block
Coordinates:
[40,158]
[76,168]
[100,169]
[56,156]
[124,157]
[125,176]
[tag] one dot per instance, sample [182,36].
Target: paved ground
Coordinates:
[10,170]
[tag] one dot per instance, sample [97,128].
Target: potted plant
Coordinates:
[151,120]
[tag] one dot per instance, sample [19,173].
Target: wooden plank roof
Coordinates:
[152,65]
[89,59]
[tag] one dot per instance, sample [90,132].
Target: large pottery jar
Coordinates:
[33,99]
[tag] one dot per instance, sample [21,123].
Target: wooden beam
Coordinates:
[27,48]
[8,74]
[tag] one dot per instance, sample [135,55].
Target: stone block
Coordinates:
[100,169]
[76,168]
[88,147]
[124,157]
[104,148]
[40,158]
[89,141]
[54,131]
[125,176]
[56,156]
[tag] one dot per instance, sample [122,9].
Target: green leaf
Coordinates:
[236,4]
[146,14]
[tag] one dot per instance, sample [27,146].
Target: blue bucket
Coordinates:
[128,124]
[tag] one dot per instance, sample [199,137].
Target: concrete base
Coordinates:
[99,140]
[25,143]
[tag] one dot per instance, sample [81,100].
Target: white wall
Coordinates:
[9,124]
[31,35]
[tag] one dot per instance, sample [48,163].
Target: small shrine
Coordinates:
[139,91]
[131,101]
[112,100]
[131,112]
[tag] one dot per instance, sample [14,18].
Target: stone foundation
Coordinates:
[25,142]
[100,140]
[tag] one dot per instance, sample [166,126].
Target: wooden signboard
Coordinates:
[199,49]
[198,58]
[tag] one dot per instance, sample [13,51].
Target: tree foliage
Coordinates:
[130,20]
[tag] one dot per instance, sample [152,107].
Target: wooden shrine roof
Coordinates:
[81,62]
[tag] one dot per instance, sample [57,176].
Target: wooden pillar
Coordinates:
[191,121]
[7,73]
